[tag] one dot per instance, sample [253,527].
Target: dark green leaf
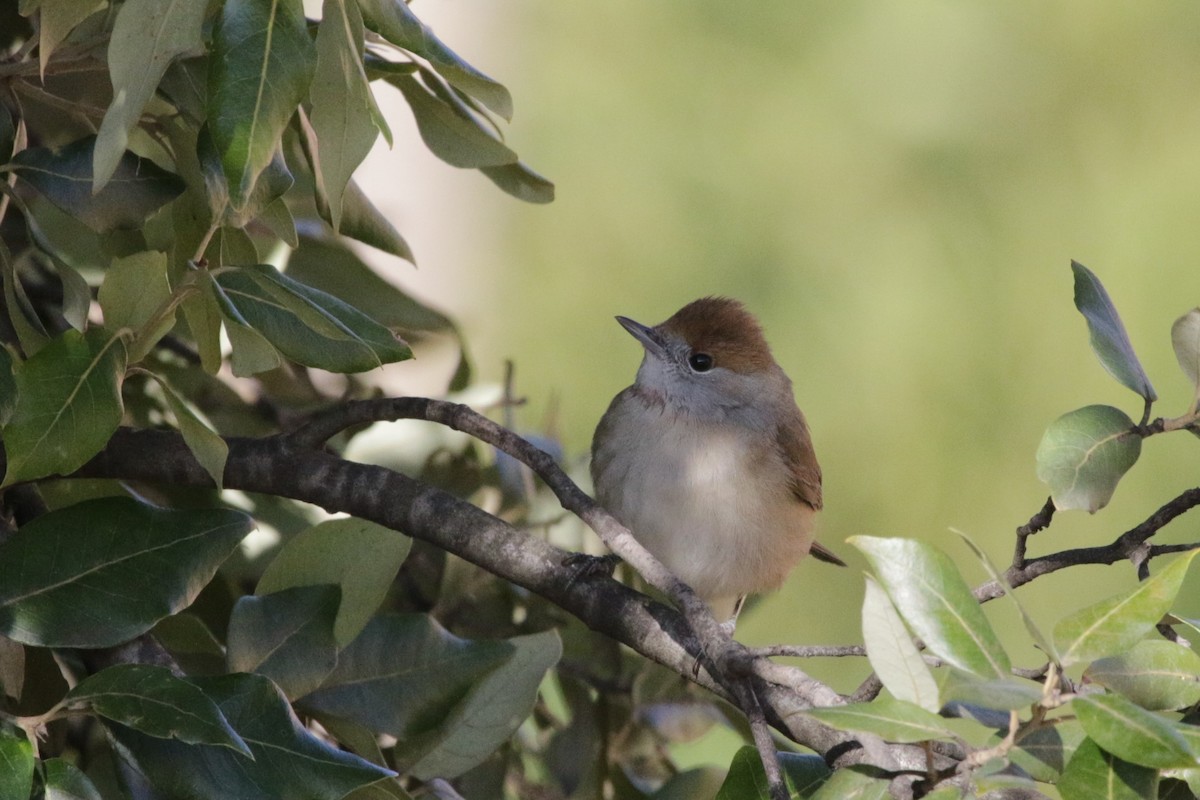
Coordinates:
[16,766]
[65,781]
[1133,734]
[1093,774]
[1116,624]
[206,445]
[361,220]
[261,62]
[309,326]
[935,601]
[100,572]
[803,775]
[77,295]
[393,20]
[1156,674]
[68,405]
[1083,455]
[450,134]
[359,556]
[8,134]
[521,182]
[8,386]
[894,720]
[152,700]
[287,758]
[1108,336]
[850,783]
[892,654]
[137,189]
[191,643]
[1045,751]
[31,335]
[146,37]
[286,636]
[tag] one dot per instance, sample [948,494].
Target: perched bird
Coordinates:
[707,459]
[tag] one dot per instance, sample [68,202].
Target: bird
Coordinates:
[707,459]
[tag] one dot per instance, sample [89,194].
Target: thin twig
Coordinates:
[810,651]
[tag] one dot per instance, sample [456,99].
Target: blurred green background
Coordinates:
[896,189]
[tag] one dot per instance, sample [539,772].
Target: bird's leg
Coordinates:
[584,566]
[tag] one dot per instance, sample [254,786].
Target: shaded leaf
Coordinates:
[278,218]
[521,182]
[362,221]
[56,20]
[65,781]
[393,20]
[16,765]
[100,572]
[203,317]
[850,783]
[894,720]
[1045,751]
[77,295]
[252,353]
[1116,624]
[1093,774]
[308,326]
[260,65]
[454,137]
[935,601]
[1002,694]
[134,289]
[802,774]
[146,37]
[68,405]
[206,445]
[138,187]
[357,555]
[286,636]
[1131,733]
[152,700]
[1083,455]
[31,335]
[287,758]
[1156,674]
[8,134]
[892,654]
[8,386]
[1108,337]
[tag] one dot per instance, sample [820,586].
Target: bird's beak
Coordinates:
[650,338]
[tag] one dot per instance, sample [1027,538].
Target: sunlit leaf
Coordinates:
[150,699]
[1132,733]
[1093,774]
[935,601]
[100,572]
[286,636]
[1083,455]
[359,556]
[68,405]
[146,37]
[260,66]
[138,187]
[891,651]
[1156,674]
[1116,624]
[1108,337]
[894,720]
[287,757]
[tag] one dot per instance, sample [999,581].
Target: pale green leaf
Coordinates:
[204,442]
[848,783]
[1108,337]
[1156,674]
[1084,454]
[251,352]
[56,20]
[1185,338]
[1093,774]
[203,317]
[521,182]
[1132,733]
[1003,694]
[893,720]
[891,651]
[451,134]
[135,288]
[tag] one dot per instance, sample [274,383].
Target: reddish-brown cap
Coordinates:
[724,329]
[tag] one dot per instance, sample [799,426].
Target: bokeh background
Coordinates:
[896,189]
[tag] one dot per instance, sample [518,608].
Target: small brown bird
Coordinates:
[707,459]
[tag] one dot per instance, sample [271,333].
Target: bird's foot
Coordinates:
[584,566]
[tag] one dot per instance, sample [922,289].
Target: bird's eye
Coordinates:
[700,362]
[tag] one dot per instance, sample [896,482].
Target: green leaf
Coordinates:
[450,701]
[230,247]
[359,556]
[894,720]
[308,326]
[206,445]
[521,182]
[103,571]
[65,781]
[260,65]
[1108,337]
[287,758]
[68,405]
[452,135]
[393,20]
[286,636]
[8,386]
[8,134]
[802,775]
[892,654]
[935,601]
[77,295]
[849,783]
[1185,338]
[362,221]
[146,37]
[1131,733]
[278,218]
[1116,624]
[138,187]
[203,317]
[1093,774]
[1004,694]
[1084,453]
[56,20]
[1044,752]
[16,766]
[344,115]
[1156,674]
[31,335]
[152,700]
[252,353]
[134,289]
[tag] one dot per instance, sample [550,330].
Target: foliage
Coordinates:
[175,258]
